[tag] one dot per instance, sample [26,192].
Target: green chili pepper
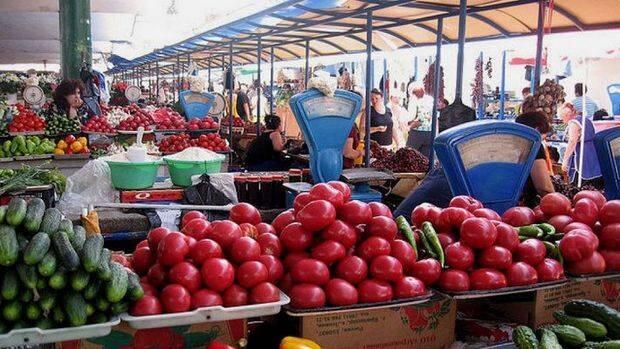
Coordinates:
[427,246]
[405,229]
[531,231]
[554,237]
[547,228]
[433,240]
[553,251]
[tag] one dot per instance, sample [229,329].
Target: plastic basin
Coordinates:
[181,171]
[131,176]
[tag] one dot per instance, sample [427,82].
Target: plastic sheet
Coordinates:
[89,185]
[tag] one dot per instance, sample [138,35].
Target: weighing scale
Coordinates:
[34,96]
[218,106]
[489,160]
[607,145]
[133,93]
[196,104]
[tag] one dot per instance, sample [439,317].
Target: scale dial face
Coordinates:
[485,149]
[133,93]
[195,97]
[328,106]
[615,147]
[33,95]
[218,105]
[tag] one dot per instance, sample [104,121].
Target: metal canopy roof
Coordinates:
[336,27]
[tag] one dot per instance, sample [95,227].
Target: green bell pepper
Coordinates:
[6,146]
[36,140]
[14,147]
[39,150]
[30,146]
[20,140]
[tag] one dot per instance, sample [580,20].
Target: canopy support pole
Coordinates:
[307,63]
[259,87]
[231,82]
[436,78]
[271,82]
[368,87]
[480,112]
[157,81]
[385,86]
[178,87]
[540,34]
[502,88]
[209,73]
[460,58]
[584,118]
[75,37]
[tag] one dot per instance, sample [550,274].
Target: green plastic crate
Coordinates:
[133,175]
[181,171]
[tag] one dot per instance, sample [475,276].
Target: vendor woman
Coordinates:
[381,123]
[68,100]
[435,188]
[265,152]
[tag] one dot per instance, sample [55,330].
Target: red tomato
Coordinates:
[549,270]
[404,252]
[355,212]
[224,233]
[295,238]
[352,269]
[341,232]
[251,273]
[269,244]
[317,215]
[519,216]
[324,191]
[157,275]
[265,292]
[428,270]
[205,249]
[382,227]
[452,218]
[487,279]
[190,241]
[559,222]
[196,228]
[148,288]
[507,237]
[235,296]
[186,275]
[488,214]
[585,211]
[147,305]
[594,264]
[380,209]
[172,249]
[155,237]
[539,215]
[306,296]
[143,243]
[531,251]
[576,226]
[555,204]
[386,268]
[275,269]
[425,213]
[612,259]
[610,213]
[245,249]
[248,230]
[593,195]
[329,252]
[466,202]
[453,280]
[301,200]
[409,287]
[192,215]
[478,233]
[217,274]
[374,291]
[175,298]
[264,228]
[446,239]
[142,260]
[610,237]
[459,256]
[286,283]
[292,258]
[372,247]
[206,298]
[343,188]
[495,257]
[282,220]
[521,274]
[340,293]
[244,213]
[310,271]
[578,244]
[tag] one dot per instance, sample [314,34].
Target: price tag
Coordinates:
[328,106]
[482,150]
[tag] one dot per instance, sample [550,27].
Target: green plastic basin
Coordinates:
[133,175]
[181,171]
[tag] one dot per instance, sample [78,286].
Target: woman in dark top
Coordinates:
[264,153]
[68,100]
[350,152]
[381,123]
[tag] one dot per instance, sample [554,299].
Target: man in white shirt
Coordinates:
[421,109]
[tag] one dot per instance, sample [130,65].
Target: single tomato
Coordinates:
[155,236]
[425,213]
[324,191]
[610,213]
[269,244]
[329,252]
[478,233]
[559,222]
[206,298]
[316,215]
[146,305]
[452,218]
[488,214]
[172,249]
[190,216]
[386,268]
[466,202]
[593,264]
[404,252]
[519,216]
[453,280]
[275,268]
[610,237]
[205,249]
[409,287]
[555,204]
[339,293]
[175,298]
[296,238]
[459,256]
[374,291]
[549,270]
[310,271]
[301,200]
[382,227]
[372,247]
[224,233]
[355,212]
[593,195]
[142,260]
[306,296]
[495,257]
[578,245]
[487,279]
[235,296]
[251,273]
[521,274]
[380,209]
[585,211]
[341,232]
[612,260]
[217,274]
[428,270]
[157,275]
[282,220]
[343,188]
[196,228]
[264,228]
[186,275]
[245,213]
[245,249]
[265,292]
[507,237]
[352,269]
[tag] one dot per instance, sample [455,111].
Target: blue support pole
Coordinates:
[271,83]
[260,86]
[480,111]
[209,73]
[502,89]
[385,88]
[460,58]
[157,81]
[372,73]
[437,77]
[368,87]
[307,63]
[415,69]
[540,34]
[231,83]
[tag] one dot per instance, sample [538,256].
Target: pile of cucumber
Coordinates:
[582,324]
[53,275]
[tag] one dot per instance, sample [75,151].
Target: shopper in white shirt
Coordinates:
[401,119]
[420,109]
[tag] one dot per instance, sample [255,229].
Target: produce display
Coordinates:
[207,123]
[477,87]
[168,119]
[26,120]
[568,189]
[139,118]
[179,142]
[72,145]
[25,146]
[582,324]
[16,180]
[4,131]
[61,125]
[404,160]
[250,127]
[98,124]
[545,99]
[237,122]
[429,81]
[115,115]
[54,274]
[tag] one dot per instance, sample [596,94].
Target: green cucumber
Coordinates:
[102,304]
[79,279]
[12,311]
[116,288]
[66,226]
[91,290]
[47,266]
[78,240]
[58,280]
[47,301]
[10,285]
[37,248]
[33,312]
[34,215]
[59,316]
[524,338]
[29,277]
[26,296]
[103,270]
[75,306]
[119,308]
[134,289]
[45,324]
[51,221]
[64,251]
[9,248]
[601,313]
[91,252]
[548,340]
[602,345]
[16,212]
[568,335]
[591,328]
[98,318]
[22,242]
[3,210]
[90,309]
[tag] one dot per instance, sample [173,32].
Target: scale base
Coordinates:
[363,193]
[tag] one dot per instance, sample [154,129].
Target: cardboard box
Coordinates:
[191,336]
[428,325]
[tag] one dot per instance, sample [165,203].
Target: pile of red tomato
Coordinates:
[26,120]
[168,119]
[340,252]
[206,264]
[98,124]
[179,142]
[202,124]
[237,122]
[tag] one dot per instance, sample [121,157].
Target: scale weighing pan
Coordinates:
[607,145]
[218,106]
[489,160]
[196,104]
[326,123]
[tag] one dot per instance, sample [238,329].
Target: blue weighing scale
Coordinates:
[607,143]
[196,104]
[489,160]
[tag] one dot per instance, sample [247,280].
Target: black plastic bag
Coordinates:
[455,114]
[204,193]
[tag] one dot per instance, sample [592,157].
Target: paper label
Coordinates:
[494,148]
